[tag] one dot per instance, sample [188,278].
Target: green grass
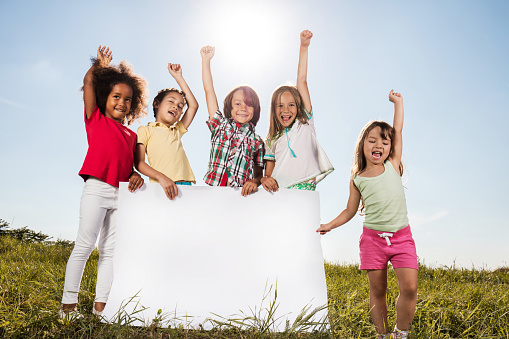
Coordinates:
[452,303]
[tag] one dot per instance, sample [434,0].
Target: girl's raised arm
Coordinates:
[397,142]
[207,53]
[104,56]
[302,70]
[192,105]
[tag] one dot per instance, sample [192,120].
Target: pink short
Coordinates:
[378,248]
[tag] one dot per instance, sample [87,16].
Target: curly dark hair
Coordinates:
[250,99]
[162,94]
[106,77]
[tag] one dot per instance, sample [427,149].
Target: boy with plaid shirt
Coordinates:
[236,154]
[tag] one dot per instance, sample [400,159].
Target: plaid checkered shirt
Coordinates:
[234,151]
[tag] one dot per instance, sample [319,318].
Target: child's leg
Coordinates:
[106,248]
[407,298]
[377,299]
[92,213]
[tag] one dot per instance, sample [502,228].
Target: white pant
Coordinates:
[98,211]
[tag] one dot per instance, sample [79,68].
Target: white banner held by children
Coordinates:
[212,253]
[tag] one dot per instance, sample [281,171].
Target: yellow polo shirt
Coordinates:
[165,151]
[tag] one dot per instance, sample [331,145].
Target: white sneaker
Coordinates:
[398,334]
[97,313]
[70,315]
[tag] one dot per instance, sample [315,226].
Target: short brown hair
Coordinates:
[162,94]
[250,98]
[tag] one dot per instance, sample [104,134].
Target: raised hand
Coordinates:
[397,124]
[175,70]
[302,69]
[104,55]
[207,52]
[305,38]
[395,97]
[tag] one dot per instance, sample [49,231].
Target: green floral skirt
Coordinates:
[306,186]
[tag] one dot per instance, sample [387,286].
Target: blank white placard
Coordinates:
[212,251]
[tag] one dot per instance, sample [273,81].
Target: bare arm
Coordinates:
[169,187]
[252,185]
[207,53]
[397,142]
[192,105]
[347,214]
[104,56]
[135,181]
[302,70]
[268,182]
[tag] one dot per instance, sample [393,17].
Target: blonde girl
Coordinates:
[112,96]
[294,158]
[376,182]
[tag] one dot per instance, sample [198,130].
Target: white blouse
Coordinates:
[298,155]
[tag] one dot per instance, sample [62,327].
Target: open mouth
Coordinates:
[172,113]
[286,118]
[376,155]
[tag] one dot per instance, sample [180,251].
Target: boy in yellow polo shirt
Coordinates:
[161,140]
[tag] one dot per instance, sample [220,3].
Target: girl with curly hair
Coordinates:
[112,96]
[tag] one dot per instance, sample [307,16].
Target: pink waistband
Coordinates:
[375,233]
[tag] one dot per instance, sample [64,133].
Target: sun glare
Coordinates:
[246,32]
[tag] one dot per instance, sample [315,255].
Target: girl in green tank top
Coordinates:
[376,187]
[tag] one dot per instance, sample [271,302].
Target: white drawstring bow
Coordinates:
[386,236]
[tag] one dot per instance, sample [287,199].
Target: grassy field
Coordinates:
[452,302]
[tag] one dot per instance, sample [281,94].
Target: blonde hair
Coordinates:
[275,127]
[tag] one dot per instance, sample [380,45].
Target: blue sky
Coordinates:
[448,59]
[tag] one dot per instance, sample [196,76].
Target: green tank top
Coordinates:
[384,200]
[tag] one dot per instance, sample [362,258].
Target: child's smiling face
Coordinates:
[118,103]
[170,109]
[376,148]
[286,109]
[241,112]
